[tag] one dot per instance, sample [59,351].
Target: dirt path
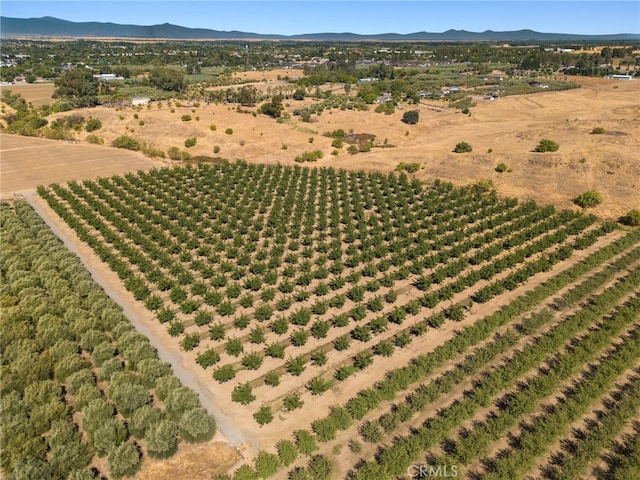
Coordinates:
[143,321]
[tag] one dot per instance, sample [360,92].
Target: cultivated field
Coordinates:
[333,314]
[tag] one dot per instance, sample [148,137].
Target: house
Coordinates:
[539,85]
[385,97]
[140,101]
[619,77]
[107,77]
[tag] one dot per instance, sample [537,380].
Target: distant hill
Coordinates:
[55,27]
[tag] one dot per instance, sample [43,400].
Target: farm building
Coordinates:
[140,101]
[619,77]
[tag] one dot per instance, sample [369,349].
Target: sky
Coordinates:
[293,17]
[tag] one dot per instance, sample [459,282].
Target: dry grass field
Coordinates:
[36,93]
[28,162]
[502,131]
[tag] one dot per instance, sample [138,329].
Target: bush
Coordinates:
[190,341]
[93,124]
[411,117]
[242,393]
[124,141]
[174,153]
[224,373]
[502,167]
[408,167]
[229,131]
[95,140]
[588,199]
[272,379]
[309,156]
[263,415]
[190,142]
[185,118]
[597,131]
[632,218]
[462,147]
[547,145]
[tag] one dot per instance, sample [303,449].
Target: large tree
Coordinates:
[78,86]
[166,78]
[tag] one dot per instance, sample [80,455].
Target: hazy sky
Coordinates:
[360,16]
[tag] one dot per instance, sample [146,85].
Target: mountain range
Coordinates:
[55,27]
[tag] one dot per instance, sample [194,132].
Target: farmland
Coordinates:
[425,300]
[359,323]
[83,393]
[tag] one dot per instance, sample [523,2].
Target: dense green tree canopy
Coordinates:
[168,79]
[78,86]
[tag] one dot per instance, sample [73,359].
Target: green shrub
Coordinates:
[309,156]
[93,124]
[411,117]
[502,167]
[242,393]
[632,218]
[547,145]
[190,142]
[597,131]
[386,107]
[229,131]
[185,118]
[263,415]
[588,199]
[124,141]
[174,153]
[462,147]
[95,139]
[408,167]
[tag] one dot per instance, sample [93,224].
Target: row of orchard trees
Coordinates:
[424,394]
[77,380]
[200,244]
